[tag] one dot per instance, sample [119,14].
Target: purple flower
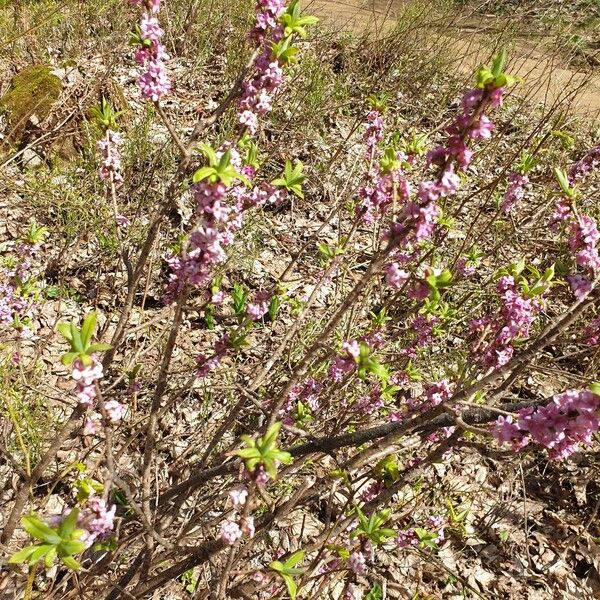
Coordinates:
[85,378]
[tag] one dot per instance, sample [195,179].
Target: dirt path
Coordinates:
[547,78]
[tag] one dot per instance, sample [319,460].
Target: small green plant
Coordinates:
[218,169]
[264,452]
[288,571]
[62,542]
[80,341]
[292,178]
[373,527]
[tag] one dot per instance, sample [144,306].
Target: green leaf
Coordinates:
[39,530]
[71,547]
[295,558]
[66,528]
[70,562]
[87,329]
[50,556]
[65,330]
[291,585]
[498,64]
[22,555]
[68,358]
[98,348]
[563,181]
[209,153]
[203,173]
[595,388]
[271,436]
[40,552]
[77,342]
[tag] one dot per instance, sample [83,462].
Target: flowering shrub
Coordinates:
[326,401]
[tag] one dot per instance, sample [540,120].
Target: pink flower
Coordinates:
[580,285]
[238,496]
[357,562]
[230,532]
[115,410]
[259,306]
[395,276]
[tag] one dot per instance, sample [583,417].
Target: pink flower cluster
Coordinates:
[346,362]
[307,392]
[259,306]
[372,403]
[232,530]
[15,306]
[514,322]
[85,378]
[111,156]
[561,426]
[395,276]
[207,365]
[257,93]
[154,82]
[97,520]
[267,15]
[583,238]
[423,213]
[373,133]
[206,246]
[381,185]
[586,165]
[515,191]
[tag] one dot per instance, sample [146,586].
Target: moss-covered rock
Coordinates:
[33,91]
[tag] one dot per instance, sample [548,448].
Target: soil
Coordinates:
[548,77]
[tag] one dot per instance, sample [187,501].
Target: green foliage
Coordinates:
[373,527]
[36,233]
[80,340]
[526,163]
[369,365]
[375,593]
[239,295]
[495,77]
[438,282]
[378,102]
[537,284]
[387,469]
[288,570]
[264,452]
[563,181]
[294,22]
[379,318]
[104,116]
[292,178]
[218,169]
[427,539]
[62,541]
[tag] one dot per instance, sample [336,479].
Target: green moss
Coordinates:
[33,91]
